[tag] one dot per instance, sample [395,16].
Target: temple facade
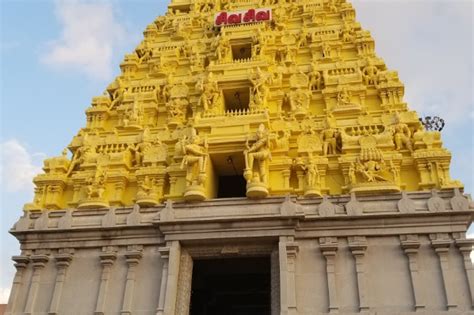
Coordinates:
[253,157]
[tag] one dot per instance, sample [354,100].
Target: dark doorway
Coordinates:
[232,186]
[231,287]
[228,170]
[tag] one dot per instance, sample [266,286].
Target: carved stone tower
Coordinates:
[253,157]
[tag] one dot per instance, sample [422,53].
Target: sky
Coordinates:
[55,55]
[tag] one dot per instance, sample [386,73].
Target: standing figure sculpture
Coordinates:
[195,160]
[331,138]
[256,157]
[312,179]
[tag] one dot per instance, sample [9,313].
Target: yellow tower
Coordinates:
[291,97]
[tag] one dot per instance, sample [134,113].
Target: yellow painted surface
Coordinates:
[296,105]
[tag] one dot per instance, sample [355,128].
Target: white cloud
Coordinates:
[4,295]
[17,166]
[91,32]
[430,44]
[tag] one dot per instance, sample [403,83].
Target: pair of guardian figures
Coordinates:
[196,159]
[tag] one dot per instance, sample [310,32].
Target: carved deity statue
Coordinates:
[96,184]
[117,94]
[344,97]
[371,170]
[177,108]
[370,74]
[209,92]
[146,196]
[144,52]
[401,135]
[138,151]
[78,158]
[326,50]
[223,48]
[313,177]
[315,80]
[256,157]
[132,115]
[195,159]
[348,33]
[260,87]
[331,138]
[299,99]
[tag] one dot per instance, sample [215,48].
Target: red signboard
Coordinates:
[242,17]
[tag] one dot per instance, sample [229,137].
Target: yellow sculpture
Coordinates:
[256,159]
[195,160]
[300,92]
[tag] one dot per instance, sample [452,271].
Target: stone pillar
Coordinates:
[410,245]
[132,257]
[275,283]
[164,255]
[185,278]
[107,260]
[63,260]
[21,262]
[358,248]
[39,262]
[173,274]
[465,248]
[441,243]
[288,250]
[286,178]
[328,246]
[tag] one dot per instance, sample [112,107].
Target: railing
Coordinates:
[235,113]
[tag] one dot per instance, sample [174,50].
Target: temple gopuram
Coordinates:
[254,157]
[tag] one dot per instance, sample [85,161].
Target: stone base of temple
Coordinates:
[398,254]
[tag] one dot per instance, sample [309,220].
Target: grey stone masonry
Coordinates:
[387,255]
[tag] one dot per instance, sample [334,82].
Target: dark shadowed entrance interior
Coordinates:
[231,287]
[231,186]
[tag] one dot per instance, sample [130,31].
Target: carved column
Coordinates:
[358,247]
[441,243]
[173,274]
[107,260]
[288,250]
[21,262]
[132,257]
[465,248]
[410,245]
[39,262]
[63,260]
[164,255]
[328,246]
[275,283]
[286,178]
[185,278]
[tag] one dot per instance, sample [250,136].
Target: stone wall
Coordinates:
[395,254]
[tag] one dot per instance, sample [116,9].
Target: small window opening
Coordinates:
[236,99]
[243,51]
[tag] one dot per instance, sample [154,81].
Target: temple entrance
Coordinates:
[240,286]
